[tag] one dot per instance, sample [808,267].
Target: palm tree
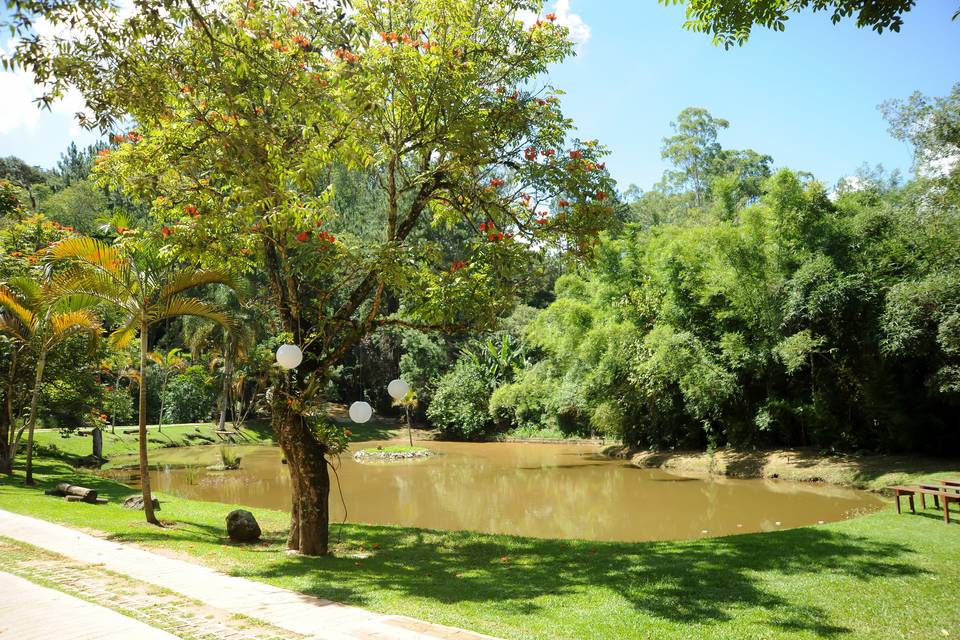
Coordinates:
[409,402]
[35,316]
[168,363]
[147,288]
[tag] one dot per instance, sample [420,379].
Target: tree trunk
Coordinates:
[406,410]
[309,483]
[7,425]
[142,419]
[32,420]
[225,392]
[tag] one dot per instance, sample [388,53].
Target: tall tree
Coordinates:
[147,288]
[39,319]
[694,150]
[246,109]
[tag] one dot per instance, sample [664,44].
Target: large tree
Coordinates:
[245,111]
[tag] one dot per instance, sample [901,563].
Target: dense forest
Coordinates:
[734,303]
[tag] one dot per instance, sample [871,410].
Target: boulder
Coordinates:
[242,526]
[136,502]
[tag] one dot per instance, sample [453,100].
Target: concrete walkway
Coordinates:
[312,617]
[31,612]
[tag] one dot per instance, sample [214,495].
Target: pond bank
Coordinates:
[873,472]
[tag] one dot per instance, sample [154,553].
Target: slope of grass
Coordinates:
[123,440]
[875,577]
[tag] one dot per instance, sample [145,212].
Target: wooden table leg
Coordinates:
[946,510]
[912,509]
[923,501]
[898,502]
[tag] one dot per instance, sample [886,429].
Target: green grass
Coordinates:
[395,448]
[875,577]
[121,445]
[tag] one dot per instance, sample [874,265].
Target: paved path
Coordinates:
[312,617]
[31,612]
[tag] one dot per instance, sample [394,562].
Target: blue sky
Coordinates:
[808,96]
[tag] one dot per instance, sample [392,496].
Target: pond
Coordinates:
[541,490]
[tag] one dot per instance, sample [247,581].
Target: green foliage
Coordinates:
[731,21]
[460,400]
[190,396]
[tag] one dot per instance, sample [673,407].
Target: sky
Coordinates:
[807,96]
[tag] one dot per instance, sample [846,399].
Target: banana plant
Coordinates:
[146,287]
[36,317]
[499,362]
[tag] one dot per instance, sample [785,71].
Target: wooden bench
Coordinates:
[902,490]
[939,493]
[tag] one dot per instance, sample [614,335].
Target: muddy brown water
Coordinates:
[541,490]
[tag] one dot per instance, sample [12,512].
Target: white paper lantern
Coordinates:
[289,356]
[360,412]
[398,389]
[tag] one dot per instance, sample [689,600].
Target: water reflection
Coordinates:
[545,490]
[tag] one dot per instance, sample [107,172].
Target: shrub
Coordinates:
[190,396]
[460,402]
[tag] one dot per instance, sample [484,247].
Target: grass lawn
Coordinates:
[395,448]
[875,577]
[123,441]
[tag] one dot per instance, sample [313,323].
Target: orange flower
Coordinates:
[165,232]
[302,236]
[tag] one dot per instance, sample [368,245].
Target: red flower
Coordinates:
[165,232]
[530,154]
[575,154]
[551,17]
[191,210]
[483,226]
[548,152]
[302,236]
[601,195]
[496,182]
[564,203]
[542,221]
[347,432]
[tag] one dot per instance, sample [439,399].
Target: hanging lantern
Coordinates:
[360,412]
[398,389]
[289,356]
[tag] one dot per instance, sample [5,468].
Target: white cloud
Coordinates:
[579,30]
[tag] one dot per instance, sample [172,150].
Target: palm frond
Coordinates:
[73,322]
[89,283]
[29,289]
[13,329]
[174,307]
[190,278]
[90,251]
[13,306]
[124,334]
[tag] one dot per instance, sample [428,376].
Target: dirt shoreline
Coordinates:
[873,472]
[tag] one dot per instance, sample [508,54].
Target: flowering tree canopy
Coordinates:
[243,115]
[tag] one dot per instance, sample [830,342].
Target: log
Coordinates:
[82,493]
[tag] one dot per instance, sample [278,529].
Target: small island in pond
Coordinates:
[392,452]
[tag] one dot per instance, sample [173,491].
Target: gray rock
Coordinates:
[136,502]
[242,526]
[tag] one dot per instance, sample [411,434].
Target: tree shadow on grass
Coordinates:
[702,581]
